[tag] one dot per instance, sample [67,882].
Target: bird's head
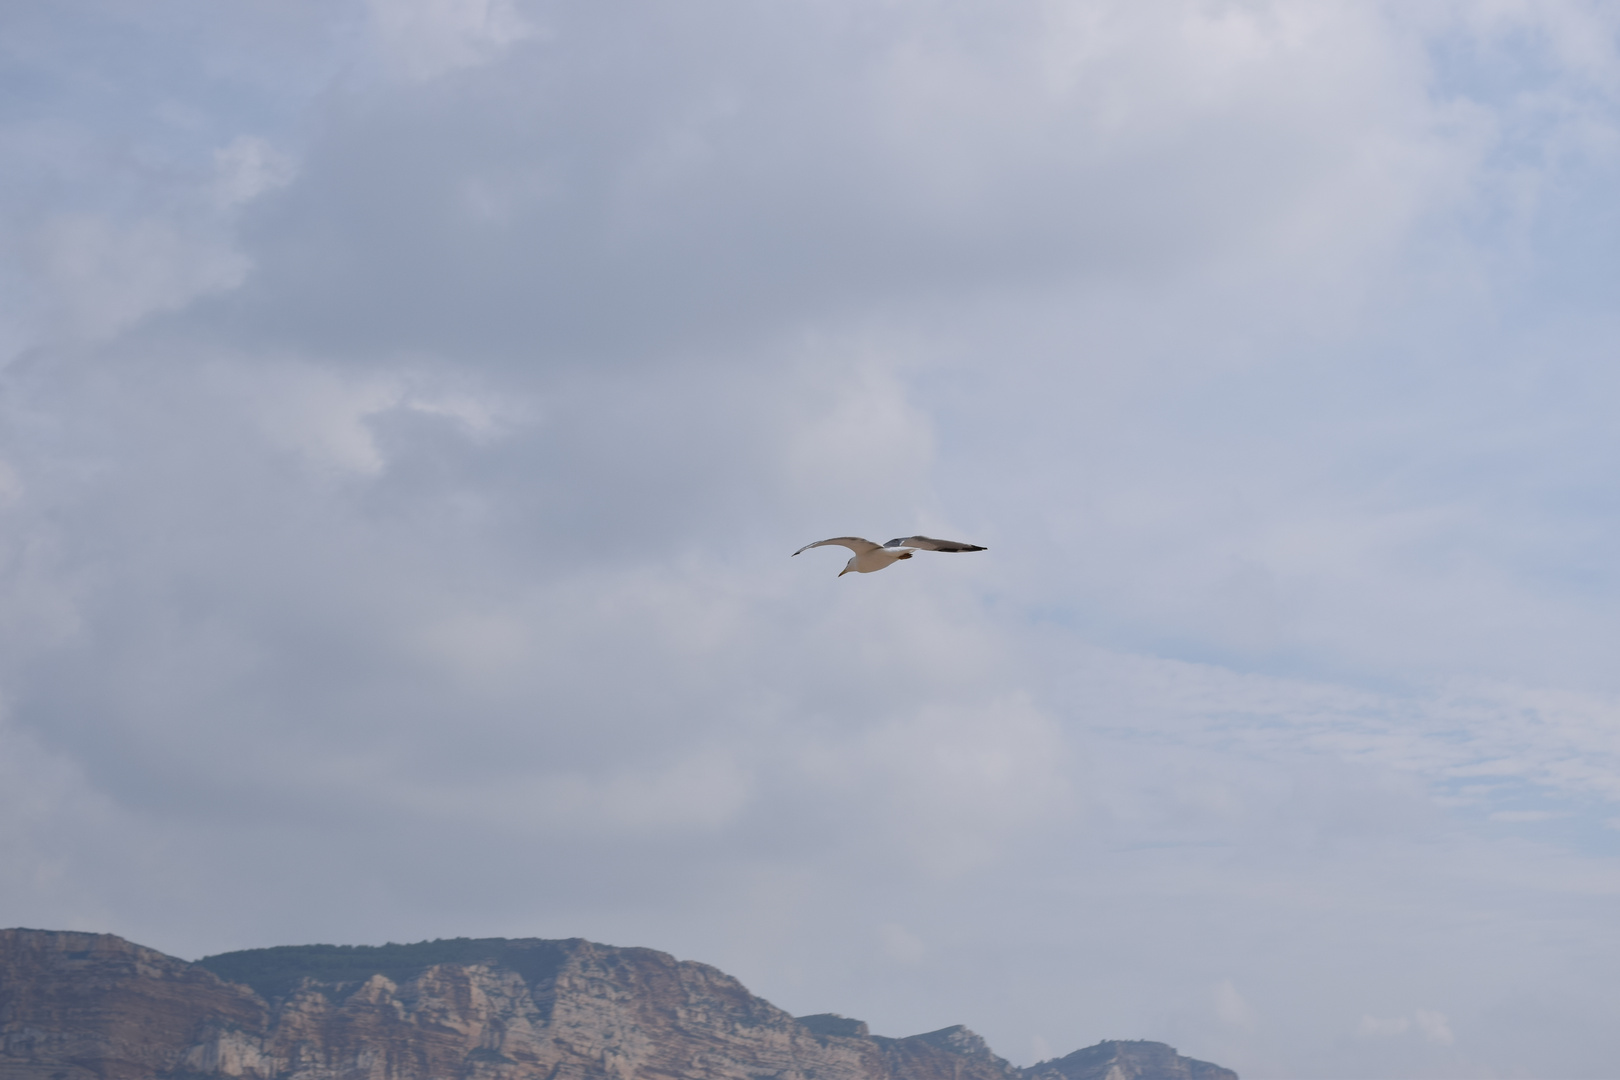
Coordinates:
[849,566]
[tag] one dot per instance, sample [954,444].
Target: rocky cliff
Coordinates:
[1135,1060]
[77,1006]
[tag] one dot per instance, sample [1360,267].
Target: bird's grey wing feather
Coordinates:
[854,543]
[928,543]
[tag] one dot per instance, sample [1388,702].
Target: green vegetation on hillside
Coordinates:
[275,972]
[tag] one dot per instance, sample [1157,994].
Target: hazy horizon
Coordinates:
[408,409]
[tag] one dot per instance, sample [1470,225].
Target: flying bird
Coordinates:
[869,556]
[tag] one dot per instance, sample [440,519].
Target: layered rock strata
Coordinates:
[79,1006]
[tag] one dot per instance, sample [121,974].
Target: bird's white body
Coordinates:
[866,562]
[870,557]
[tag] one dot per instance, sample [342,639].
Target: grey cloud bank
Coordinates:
[410,407]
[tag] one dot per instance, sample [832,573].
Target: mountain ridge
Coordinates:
[84,1006]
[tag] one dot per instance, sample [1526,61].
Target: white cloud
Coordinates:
[428,38]
[1377,1027]
[10,485]
[1231,1007]
[1434,1026]
[96,274]
[706,790]
[862,440]
[106,275]
[901,945]
[248,167]
[329,417]
[325,416]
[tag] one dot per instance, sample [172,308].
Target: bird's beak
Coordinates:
[844,571]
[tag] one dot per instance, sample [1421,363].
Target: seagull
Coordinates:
[869,557]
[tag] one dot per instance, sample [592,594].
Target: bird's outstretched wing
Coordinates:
[854,543]
[928,543]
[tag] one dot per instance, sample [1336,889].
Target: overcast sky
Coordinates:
[408,409]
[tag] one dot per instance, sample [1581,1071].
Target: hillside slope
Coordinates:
[79,1006]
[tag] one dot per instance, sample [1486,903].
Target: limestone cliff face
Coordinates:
[76,1006]
[95,1007]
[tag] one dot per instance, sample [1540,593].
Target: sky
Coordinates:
[408,409]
